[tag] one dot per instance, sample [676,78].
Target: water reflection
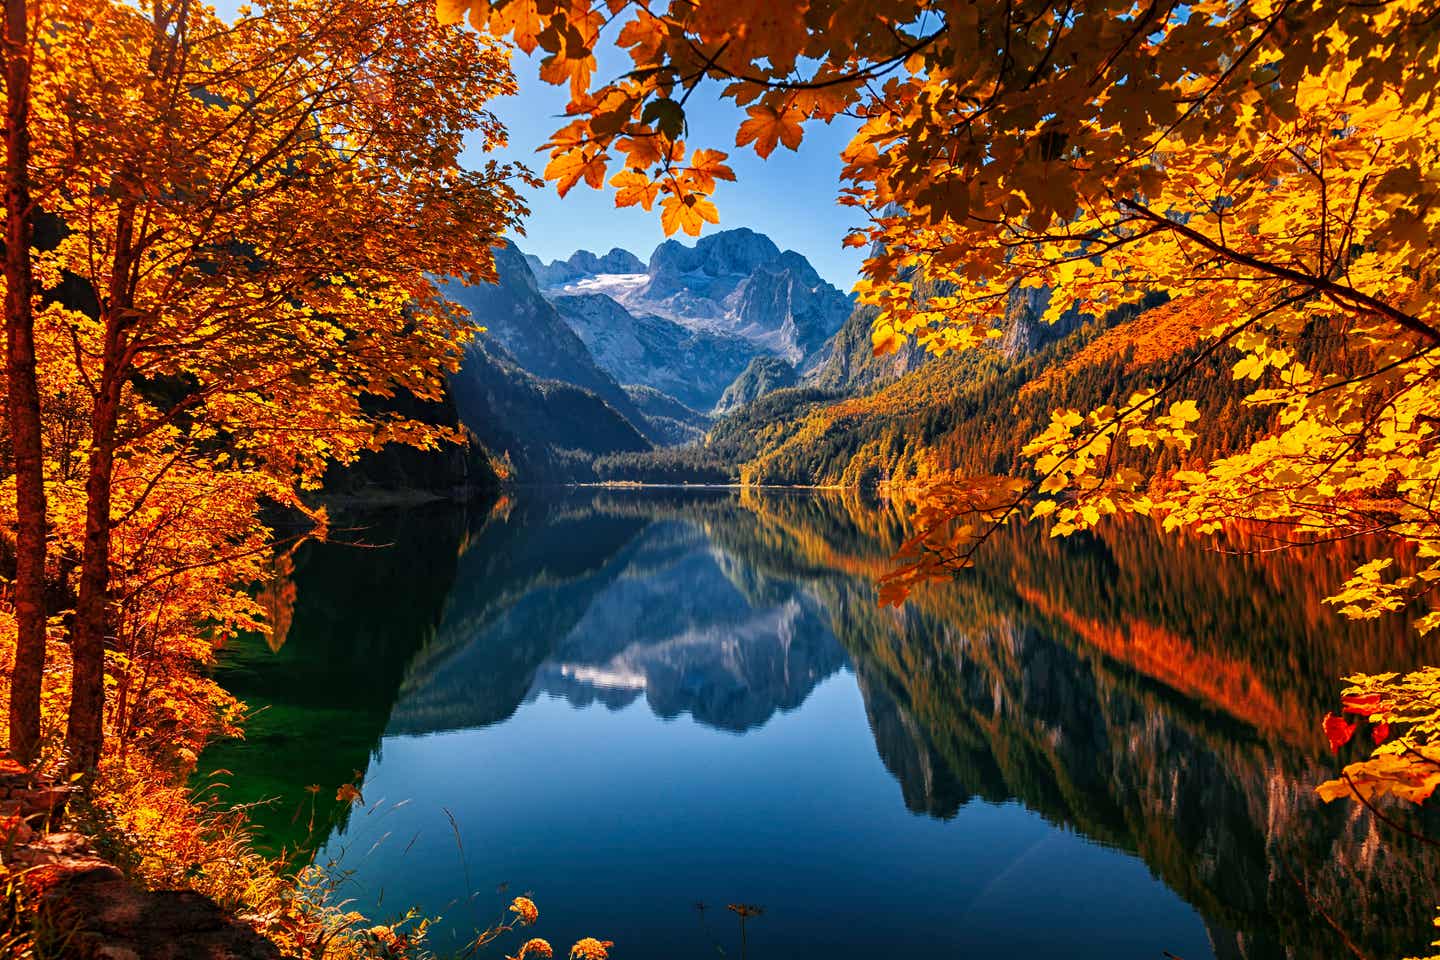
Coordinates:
[1103,700]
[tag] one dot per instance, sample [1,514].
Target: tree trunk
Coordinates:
[23,399]
[85,734]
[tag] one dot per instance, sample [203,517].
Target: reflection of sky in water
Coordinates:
[619,822]
[634,800]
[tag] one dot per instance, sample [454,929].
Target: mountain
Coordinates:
[693,366]
[667,416]
[763,375]
[526,326]
[530,387]
[734,282]
[855,422]
[583,263]
[548,429]
[850,364]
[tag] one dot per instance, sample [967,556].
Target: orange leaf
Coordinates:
[767,127]
[644,34]
[561,67]
[632,187]
[520,18]
[642,152]
[568,168]
[451,11]
[688,213]
[712,163]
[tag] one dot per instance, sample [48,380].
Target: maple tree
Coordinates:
[248,217]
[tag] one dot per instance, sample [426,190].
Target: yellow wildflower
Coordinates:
[525,910]
[591,949]
[534,947]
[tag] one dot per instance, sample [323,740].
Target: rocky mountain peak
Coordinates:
[583,263]
[737,252]
[688,321]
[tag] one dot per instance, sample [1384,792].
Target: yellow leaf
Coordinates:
[688,213]
[633,187]
[451,11]
[767,127]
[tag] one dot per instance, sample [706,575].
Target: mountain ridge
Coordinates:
[735,282]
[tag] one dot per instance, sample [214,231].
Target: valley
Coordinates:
[734,362]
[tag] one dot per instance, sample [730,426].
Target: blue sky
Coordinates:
[790,197]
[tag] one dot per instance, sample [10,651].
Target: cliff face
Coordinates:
[763,375]
[735,292]
[529,330]
[529,386]
[583,263]
[739,282]
[850,365]
[693,366]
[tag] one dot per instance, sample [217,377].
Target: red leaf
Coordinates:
[1380,732]
[1337,731]
[1362,703]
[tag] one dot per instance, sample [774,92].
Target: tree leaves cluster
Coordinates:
[1277,159]
[248,214]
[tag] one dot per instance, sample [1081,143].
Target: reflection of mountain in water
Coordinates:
[674,627]
[663,615]
[1138,690]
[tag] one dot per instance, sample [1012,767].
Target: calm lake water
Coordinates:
[644,706]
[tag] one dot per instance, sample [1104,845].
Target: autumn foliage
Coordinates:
[1274,161]
[230,231]
[239,225]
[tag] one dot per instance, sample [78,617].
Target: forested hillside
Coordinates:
[968,413]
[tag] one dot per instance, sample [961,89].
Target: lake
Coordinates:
[642,706]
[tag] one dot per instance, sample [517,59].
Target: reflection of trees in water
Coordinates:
[1144,691]
[358,610]
[1152,695]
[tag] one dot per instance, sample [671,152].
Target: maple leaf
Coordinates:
[521,19]
[707,166]
[563,66]
[767,127]
[687,213]
[642,152]
[570,167]
[633,187]
[451,11]
[643,36]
